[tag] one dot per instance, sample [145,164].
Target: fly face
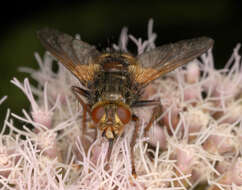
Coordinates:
[115,81]
[110,117]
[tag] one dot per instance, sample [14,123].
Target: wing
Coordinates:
[161,60]
[74,54]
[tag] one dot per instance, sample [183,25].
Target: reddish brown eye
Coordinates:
[123,114]
[97,113]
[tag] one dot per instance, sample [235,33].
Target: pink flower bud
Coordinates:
[192,93]
[195,121]
[222,141]
[5,164]
[192,74]
[157,134]
[47,145]
[43,117]
[185,159]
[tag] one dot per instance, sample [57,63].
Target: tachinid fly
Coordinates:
[114,82]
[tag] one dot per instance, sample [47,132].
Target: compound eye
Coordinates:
[124,114]
[97,113]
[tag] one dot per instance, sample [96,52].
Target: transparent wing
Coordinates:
[164,59]
[74,54]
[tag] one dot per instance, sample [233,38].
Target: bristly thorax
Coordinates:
[113,81]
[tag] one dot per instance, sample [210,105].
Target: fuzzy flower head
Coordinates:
[195,139]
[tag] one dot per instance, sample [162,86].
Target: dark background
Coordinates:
[100,23]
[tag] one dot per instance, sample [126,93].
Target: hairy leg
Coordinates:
[157,111]
[133,140]
[78,92]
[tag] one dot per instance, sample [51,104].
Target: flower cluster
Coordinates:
[197,139]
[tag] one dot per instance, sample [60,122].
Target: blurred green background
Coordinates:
[100,23]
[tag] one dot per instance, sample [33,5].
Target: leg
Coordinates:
[157,111]
[144,103]
[86,108]
[136,120]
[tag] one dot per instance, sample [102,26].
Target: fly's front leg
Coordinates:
[133,140]
[156,113]
[86,108]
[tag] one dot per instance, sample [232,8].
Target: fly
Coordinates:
[116,81]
